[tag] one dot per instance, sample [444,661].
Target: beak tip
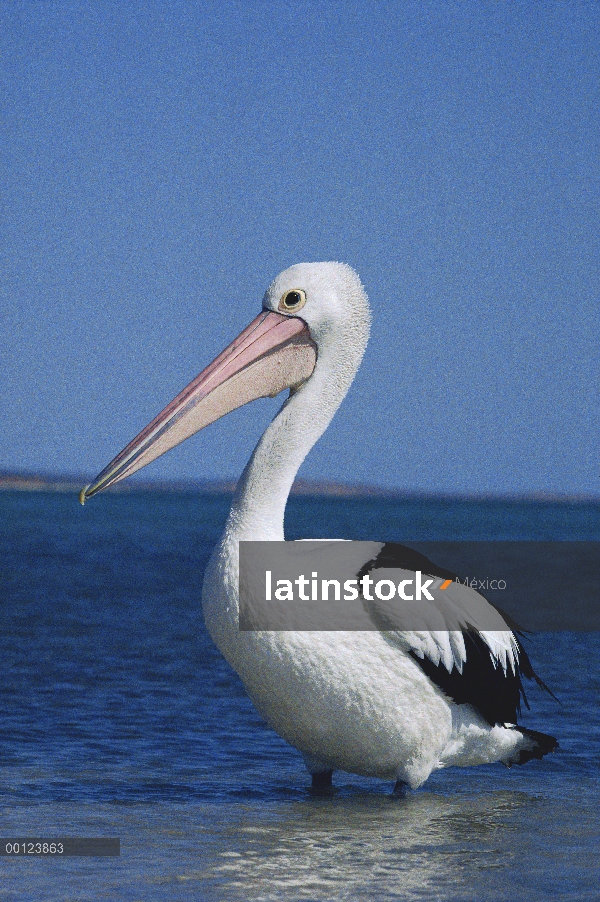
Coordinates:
[82,495]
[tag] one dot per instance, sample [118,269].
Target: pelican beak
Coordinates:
[273,353]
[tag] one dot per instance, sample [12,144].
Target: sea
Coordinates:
[120,719]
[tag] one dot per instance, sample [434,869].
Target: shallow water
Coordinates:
[120,718]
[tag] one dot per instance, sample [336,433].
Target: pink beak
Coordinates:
[273,353]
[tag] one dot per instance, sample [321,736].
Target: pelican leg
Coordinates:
[321,781]
[401,789]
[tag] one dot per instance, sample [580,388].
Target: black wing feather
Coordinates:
[496,694]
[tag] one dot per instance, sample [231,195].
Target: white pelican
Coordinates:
[394,705]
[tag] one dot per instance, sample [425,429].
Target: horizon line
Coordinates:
[11,480]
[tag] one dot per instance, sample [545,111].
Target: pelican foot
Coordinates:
[321,782]
[401,789]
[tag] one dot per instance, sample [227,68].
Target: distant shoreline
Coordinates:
[36,482]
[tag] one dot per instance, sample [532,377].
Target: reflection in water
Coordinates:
[372,847]
[462,847]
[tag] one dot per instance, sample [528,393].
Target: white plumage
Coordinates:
[383,704]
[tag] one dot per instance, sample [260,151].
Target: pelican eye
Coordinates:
[293,300]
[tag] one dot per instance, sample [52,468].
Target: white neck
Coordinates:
[339,326]
[258,506]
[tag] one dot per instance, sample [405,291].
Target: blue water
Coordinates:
[120,718]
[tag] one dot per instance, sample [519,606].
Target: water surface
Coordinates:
[120,718]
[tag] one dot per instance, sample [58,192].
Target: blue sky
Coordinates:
[162,161]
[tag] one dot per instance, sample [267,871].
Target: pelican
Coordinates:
[389,704]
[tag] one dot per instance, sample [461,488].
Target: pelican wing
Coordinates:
[460,640]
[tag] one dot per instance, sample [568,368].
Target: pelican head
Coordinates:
[314,326]
[331,300]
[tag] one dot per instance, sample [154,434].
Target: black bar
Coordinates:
[58,847]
